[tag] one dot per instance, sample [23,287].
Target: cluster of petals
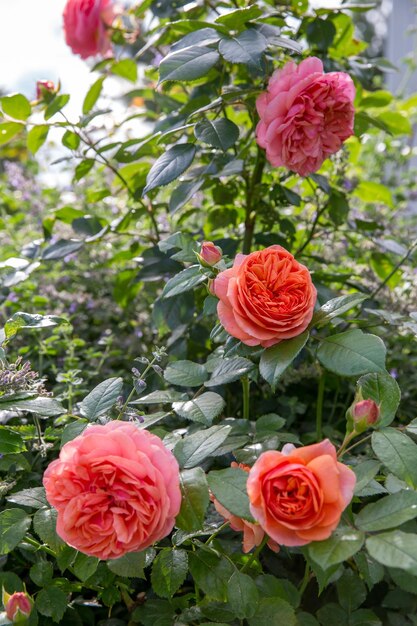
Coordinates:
[305,115]
[298,495]
[267,296]
[86,26]
[115,488]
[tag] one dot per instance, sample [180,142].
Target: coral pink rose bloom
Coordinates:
[253,534]
[86,26]
[116,490]
[265,297]
[298,495]
[305,115]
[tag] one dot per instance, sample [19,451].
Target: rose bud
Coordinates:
[45,90]
[209,254]
[18,606]
[364,413]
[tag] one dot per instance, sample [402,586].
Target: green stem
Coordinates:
[246,399]
[306,580]
[319,408]
[132,393]
[255,555]
[39,546]
[216,532]
[348,438]
[250,218]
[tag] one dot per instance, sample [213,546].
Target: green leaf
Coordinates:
[44,523]
[195,499]
[203,408]
[397,122]
[229,488]
[388,512]
[352,353]
[43,406]
[83,168]
[351,591]
[229,370]
[169,571]
[320,33]
[384,391]
[246,48]
[398,453]
[162,396]
[183,281]
[56,105]
[371,192]
[33,497]
[273,612]
[235,20]
[194,448]
[16,106]
[185,374]
[394,549]
[221,133]
[8,130]
[365,472]
[154,612]
[52,602]
[14,523]
[85,566]
[102,398]
[130,565]
[188,64]
[42,573]
[169,166]
[71,140]
[93,95]
[337,306]
[183,194]
[36,137]
[342,545]
[211,573]
[242,595]
[10,442]
[61,248]
[275,360]
[27,320]
[126,68]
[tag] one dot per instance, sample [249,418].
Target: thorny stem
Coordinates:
[132,392]
[246,397]
[250,218]
[319,408]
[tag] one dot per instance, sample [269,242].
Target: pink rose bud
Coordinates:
[18,606]
[209,253]
[45,88]
[365,411]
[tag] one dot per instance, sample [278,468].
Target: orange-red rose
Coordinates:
[116,490]
[267,296]
[298,495]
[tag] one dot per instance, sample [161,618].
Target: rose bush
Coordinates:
[204,338]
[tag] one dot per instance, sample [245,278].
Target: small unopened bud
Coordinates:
[209,254]
[363,414]
[18,606]
[45,90]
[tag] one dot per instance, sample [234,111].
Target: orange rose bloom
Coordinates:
[253,534]
[267,296]
[298,495]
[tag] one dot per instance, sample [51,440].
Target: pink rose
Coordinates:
[116,490]
[298,495]
[305,115]
[18,606]
[267,296]
[45,88]
[86,26]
